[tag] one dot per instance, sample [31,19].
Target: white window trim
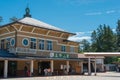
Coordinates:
[27,40]
[47,45]
[45,40]
[32,41]
[11,41]
[39,44]
[63,49]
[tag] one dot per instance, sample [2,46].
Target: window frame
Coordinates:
[33,43]
[12,44]
[41,44]
[27,40]
[72,49]
[63,48]
[49,45]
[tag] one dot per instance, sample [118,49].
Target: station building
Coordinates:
[31,45]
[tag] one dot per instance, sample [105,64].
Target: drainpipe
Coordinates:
[15,38]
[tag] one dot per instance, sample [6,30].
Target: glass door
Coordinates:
[12,68]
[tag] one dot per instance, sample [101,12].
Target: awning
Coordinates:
[102,54]
[89,56]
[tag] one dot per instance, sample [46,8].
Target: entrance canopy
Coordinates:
[89,56]
[102,54]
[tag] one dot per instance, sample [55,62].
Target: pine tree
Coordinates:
[103,39]
[13,19]
[1,19]
[118,36]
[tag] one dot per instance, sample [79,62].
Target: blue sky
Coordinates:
[77,16]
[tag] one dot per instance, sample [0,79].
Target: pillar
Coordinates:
[67,62]
[95,66]
[89,66]
[81,67]
[102,64]
[52,66]
[31,67]
[5,68]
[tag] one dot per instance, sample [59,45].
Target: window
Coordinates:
[41,44]
[33,43]
[63,48]
[2,44]
[12,41]
[25,42]
[8,43]
[49,45]
[71,49]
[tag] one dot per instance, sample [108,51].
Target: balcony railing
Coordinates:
[22,50]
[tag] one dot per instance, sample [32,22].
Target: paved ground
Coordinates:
[100,76]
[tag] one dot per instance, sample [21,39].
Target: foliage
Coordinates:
[13,19]
[118,36]
[84,46]
[1,19]
[103,39]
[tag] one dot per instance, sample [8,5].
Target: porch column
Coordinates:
[102,64]
[89,66]
[52,66]
[95,66]
[5,68]
[67,62]
[81,67]
[31,68]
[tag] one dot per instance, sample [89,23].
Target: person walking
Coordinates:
[46,71]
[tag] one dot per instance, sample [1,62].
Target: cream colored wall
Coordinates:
[57,41]
[56,44]
[22,64]
[57,64]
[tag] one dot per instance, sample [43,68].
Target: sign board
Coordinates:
[59,55]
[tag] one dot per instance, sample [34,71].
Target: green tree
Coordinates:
[118,36]
[1,19]
[84,46]
[118,40]
[103,40]
[13,19]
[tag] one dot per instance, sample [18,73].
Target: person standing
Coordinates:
[25,70]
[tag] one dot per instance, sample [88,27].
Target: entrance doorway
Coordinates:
[1,68]
[42,66]
[12,68]
[85,67]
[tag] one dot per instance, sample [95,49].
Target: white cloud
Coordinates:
[83,35]
[110,12]
[94,13]
[80,36]
[82,2]
[101,12]
[114,30]
[80,33]
[78,39]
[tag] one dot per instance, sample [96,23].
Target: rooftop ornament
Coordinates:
[27,14]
